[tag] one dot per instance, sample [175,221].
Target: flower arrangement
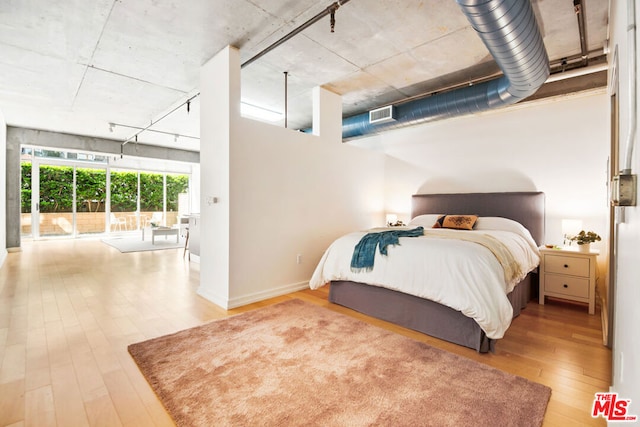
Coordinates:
[585,237]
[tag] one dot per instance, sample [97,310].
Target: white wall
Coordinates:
[3,189]
[219,94]
[559,147]
[281,193]
[402,180]
[626,341]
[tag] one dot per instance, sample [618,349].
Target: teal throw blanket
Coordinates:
[365,251]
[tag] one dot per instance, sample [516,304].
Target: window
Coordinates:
[70,195]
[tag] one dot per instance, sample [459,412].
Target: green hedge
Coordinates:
[56,190]
[25,188]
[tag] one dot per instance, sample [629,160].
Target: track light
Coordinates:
[153,122]
[111,127]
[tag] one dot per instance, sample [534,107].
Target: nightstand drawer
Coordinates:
[566,265]
[570,286]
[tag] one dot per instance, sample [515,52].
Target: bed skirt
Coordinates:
[423,315]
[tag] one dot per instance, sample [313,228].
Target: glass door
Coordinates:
[90,200]
[54,211]
[177,202]
[152,198]
[125,214]
[63,200]
[26,229]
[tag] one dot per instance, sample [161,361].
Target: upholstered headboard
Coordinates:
[525,207]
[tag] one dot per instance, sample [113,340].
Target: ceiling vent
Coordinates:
[382,115]
[509,30]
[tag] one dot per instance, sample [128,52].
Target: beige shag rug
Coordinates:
[297,364]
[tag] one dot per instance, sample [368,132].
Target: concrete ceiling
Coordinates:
[75,66]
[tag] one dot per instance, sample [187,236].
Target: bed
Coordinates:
[439,319]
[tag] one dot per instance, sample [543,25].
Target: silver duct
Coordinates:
[510,32]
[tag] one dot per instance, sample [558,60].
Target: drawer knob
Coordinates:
[566,266]
[565,286]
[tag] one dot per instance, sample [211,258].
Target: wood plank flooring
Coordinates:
[69,308]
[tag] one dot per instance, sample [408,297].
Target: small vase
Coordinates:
[585,247]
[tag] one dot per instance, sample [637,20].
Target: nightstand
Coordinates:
[568,274]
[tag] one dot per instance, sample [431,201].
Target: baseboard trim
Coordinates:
[604,319]
[217,300]
[266,294]
[239,301]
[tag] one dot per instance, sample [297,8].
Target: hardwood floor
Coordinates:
[69,308]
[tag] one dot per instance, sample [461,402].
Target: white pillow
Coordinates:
[499,223]
[504,224]
[426,220]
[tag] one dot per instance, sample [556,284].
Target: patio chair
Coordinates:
[117,223]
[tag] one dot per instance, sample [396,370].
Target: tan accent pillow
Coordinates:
[458,222]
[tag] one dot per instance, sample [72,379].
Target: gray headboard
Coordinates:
[525,207]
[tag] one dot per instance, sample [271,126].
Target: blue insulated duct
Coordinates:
[510,32]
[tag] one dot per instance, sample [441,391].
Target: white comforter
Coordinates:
[463,275]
